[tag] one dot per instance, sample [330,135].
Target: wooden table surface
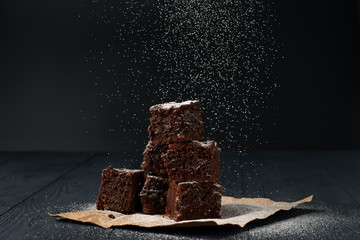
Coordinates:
[34,184]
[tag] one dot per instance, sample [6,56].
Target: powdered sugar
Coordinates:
[173,104]
[316,223]
[204,144]
[219,52]
[187,183]
[77,207]
[129,170]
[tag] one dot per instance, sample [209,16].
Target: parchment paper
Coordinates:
[234,211]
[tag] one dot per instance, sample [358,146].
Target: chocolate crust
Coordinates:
[152,160]
[193,200]
[176,122]
[193,161]
[153,195]
[119,190]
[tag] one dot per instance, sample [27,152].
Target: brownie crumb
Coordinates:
[153,195]
[192,161]
[176,122]
[119,190]
[152,160]
[193,200]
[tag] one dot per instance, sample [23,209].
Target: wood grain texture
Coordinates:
[22,176]
[287,176]
[7,156]
[77,189]
[280,176]
[333,214]
[344,167]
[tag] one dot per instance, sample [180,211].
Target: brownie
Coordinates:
[193,200]
[152,159]
[175,122]
[192,161]
[153,195]
[119,190]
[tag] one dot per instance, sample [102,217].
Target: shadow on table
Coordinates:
[216,232]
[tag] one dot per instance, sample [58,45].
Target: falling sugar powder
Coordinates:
[222,53]
[219,52]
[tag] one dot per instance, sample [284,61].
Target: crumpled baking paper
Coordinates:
[234,211]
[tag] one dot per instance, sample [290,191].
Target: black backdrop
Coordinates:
[47,98]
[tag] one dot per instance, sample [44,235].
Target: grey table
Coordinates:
[33,184]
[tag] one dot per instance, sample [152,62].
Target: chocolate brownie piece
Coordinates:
[175,122]
[152,159]
[119,190]
[193,200]
[192,161]
[153,194]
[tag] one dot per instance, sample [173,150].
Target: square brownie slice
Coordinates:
[153,194]
[119,190]
[152,159]
[193,200]
[175,122]
[193,161]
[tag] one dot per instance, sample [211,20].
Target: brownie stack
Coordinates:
[180,174]
[181,170]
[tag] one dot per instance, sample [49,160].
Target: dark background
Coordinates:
[48,99]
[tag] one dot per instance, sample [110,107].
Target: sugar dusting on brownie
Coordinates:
[182,124]
[129,170]
[205,143]
[192,161]
[173,104]
[182,197]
